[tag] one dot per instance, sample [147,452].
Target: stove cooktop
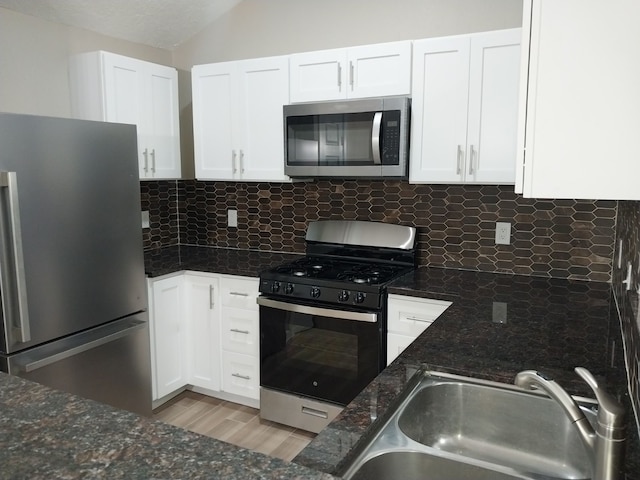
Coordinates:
[340,271]
[332,281]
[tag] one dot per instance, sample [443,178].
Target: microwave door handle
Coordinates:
[375,137]
[14,288]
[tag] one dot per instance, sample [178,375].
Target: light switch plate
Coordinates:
[145,219]
[232,218]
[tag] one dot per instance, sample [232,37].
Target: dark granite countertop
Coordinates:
[552,325]
[248,263]
[47,434]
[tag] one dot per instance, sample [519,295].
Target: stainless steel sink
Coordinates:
[448,426]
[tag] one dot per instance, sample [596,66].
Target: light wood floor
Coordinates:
[234,424]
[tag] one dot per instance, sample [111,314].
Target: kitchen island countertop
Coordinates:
[47,434]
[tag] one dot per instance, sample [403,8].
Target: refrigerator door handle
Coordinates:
[12,275]
[48,360]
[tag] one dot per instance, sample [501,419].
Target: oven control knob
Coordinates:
[360,297]
[288,288]
[315,292]
[343,296]
[275,287]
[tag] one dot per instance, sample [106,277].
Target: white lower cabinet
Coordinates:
[202,314]
[204,336]
[169,368]
[407,318]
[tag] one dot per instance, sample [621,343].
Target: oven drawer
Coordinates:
[239,292]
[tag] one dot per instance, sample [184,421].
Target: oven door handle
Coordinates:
[324,312]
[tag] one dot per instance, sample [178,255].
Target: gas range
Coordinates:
[336,271]
[323,322]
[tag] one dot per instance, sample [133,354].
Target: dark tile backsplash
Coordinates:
[456,224]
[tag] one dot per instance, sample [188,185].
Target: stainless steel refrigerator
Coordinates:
[72,283]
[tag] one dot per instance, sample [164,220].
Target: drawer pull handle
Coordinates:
[239,294]
[246,332]
[244,377]
[418,319]
[315,413]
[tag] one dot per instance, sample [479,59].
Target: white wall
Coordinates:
[34,62]
[259,28]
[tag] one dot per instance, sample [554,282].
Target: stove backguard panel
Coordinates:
[456,223]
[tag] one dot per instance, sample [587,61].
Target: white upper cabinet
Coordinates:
[237,119]
[465,108]
[582,100]
[113,88]
[357,72]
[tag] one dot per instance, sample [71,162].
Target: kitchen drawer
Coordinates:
[239,292]
[396,344]
[411,315]
[241,375]
[240,331]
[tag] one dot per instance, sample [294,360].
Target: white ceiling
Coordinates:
[158,23]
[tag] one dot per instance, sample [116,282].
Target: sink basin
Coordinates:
[447,426]
[418,466]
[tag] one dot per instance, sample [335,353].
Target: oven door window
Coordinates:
[325,358]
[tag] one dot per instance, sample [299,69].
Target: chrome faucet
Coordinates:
[605,444]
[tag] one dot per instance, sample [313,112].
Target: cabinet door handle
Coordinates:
[153,160]
[417,319]
[339,77]
[239,294]
[241,161]
[351,75]
[233,161]
[458,163]
[145,154]
[471,158]
[244,332]
[211,297]
[244,377]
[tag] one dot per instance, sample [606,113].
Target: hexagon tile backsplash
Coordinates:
[456,223]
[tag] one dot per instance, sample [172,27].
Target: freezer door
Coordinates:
[70,203]
[109,364]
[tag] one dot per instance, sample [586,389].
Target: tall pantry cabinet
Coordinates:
[114,88]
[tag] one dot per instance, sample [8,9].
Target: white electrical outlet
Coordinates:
[232,218]
[499,312]
[503,233]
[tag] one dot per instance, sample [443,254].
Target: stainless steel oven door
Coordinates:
[323,353]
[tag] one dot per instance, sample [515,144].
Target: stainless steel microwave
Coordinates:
[366,138]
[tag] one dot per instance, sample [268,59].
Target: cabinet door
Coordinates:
[407,318]
[379,70]
[264,90]
[203,314]
[396,344]
[125,98]
[215,118]
[162,129]
[581,99]
[494,76]
[439,110]
[169,336]
[317,76]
